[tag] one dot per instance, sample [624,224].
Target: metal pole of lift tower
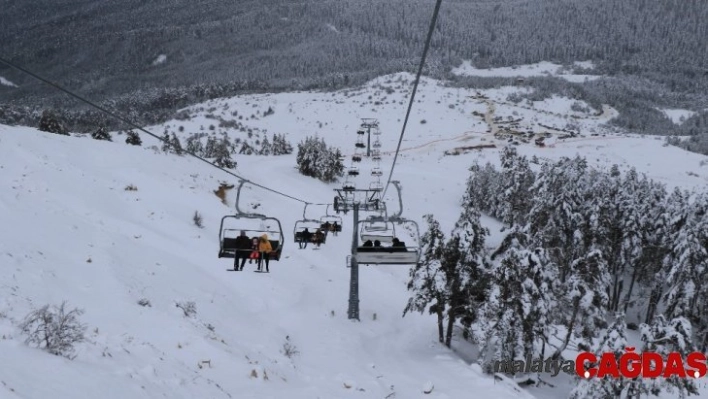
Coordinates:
[354,280]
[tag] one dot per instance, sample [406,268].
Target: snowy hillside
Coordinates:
[74,231]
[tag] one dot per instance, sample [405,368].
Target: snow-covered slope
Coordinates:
[71,231]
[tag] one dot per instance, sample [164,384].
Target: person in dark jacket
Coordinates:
[305,236]
[335,229]
[243,249]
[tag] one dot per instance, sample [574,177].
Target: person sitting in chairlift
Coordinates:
[304,238]
[319,237]
[335,228]
[377,244]
[368,243]
[397,243]
[243,249]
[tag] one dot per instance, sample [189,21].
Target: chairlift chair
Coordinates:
[376,172]
[356,158]
[331,219]
[227,235]
[360,132]
[401,254]
[305,223]
[353,172]
[376,144]
[229,231]
[377,229]
[360,145]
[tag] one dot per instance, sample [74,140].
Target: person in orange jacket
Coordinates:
[265,249]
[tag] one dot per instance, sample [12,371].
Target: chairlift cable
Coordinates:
[133,125]
[415,88]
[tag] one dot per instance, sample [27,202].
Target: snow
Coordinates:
[6,82]
[526,71]
[677,116]
[65,201]
[161,59]
[332,28]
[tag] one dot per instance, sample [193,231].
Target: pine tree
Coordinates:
[210,149]
[316,160]
[133,138]
[517,314]
[516,181]
[280,146]
[266,148]
[51,123]
[194,145]
[664,337]
[427,281]
[101,134]
[612,341]
[166,142]
[466,267]
[222,154]
[176,145]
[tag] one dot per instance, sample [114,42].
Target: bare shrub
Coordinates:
[189,308]
[197,218]
[54,329]
[289,350]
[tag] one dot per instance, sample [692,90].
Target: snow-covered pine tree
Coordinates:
[280,145]
[133,138]
[556,221]
[664,337]
[315,159]
[50,122]
[266,148]
[101,134]
[427,282]
[483,189]
[333,167]
[466,267]
[194,145]
[687,264]
[516,316]
[176,145]
[222,154]
[613,340]
[516,181]
[166,142]
[211,147]
[246,149]
[585,295]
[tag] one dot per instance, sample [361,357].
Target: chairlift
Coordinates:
[397,253]
[232,225]
[376,156]
[360,132]
[356,158]
[375,185]
[331,219]
[376,172]
[353,172]
[311,224]
[377,229]
[360,145]
[376,144]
